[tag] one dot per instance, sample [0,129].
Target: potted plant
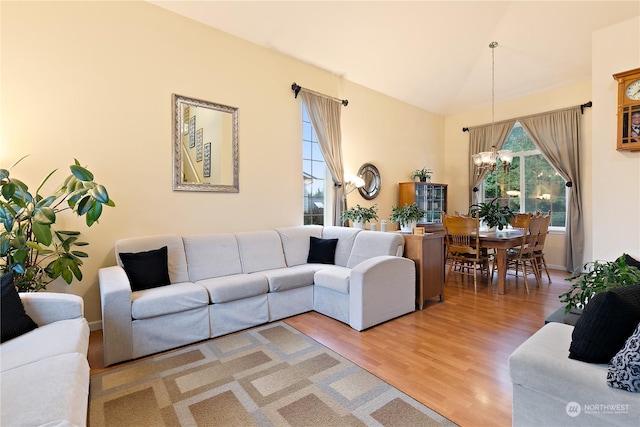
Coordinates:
[30,248]
[492,213]
[359,215]
[423,174]
[598,276]
[407,216]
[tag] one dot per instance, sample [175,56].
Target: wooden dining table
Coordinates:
[501,241]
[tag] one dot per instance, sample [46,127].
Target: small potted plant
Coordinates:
[30,248]
[424,174]
[359,215]
[595,277]
[407,216]
[492,213]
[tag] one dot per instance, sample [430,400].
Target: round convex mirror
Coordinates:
[371,177]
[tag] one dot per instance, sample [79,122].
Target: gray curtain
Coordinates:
[324,114]
[480,140]
[557,135]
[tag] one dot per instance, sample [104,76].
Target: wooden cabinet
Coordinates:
[427,251]
[432,198]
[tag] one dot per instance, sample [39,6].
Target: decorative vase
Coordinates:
[408,227]
[356,224]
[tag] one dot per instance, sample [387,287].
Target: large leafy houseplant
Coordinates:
[492,213]
[360,214]
[30,247]
[595,277]
[406,214]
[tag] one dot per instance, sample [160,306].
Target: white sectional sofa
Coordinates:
[45,373]
[222,283]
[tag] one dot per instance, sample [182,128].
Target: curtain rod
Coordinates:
[582,107]
[296,89]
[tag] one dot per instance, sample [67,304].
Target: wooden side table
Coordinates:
[427,251]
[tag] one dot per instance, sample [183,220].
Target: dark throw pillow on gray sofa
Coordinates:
[322,251]
[13,318]
[632,261]
[146,270]
[606,322]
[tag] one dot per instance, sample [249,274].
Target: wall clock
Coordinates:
[628,110]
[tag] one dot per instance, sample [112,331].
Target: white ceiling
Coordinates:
[432,54]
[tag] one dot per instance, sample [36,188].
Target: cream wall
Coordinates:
[615,200]
[93,81]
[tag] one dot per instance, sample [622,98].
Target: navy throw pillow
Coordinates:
[146,270]
[322,251]
[14,320]
[606,322]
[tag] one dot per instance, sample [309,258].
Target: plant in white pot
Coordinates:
[492,213]
[30,248]
[359,215]
[407,216]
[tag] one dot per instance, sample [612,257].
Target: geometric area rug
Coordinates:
[271,375]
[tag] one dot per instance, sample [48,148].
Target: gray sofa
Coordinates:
[550,389]
[222,283]
[44,373]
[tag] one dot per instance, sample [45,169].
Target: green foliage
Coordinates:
[492,213]
[360,214]
[29,246]
[423,174]
[598,276]
[406,214]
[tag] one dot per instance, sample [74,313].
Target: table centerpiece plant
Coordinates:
[406,215]
[360,215]
[30,248]
[492,213]
[598,276]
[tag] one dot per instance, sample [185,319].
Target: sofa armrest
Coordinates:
[49,307]
[381,288]
[115,296]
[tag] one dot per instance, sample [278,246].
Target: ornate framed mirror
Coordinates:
[205,146]
[371,176]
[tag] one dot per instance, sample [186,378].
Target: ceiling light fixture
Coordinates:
[488,159]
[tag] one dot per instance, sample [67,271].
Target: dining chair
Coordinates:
[539,249]
[524,258]
[464,254]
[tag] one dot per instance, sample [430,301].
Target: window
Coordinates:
[531,184]
[313,174]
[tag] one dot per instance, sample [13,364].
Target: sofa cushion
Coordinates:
[177,261]
[295,242]
[335,278]
[234,287]
[631,261]
[260,250]
[49,392]
[346,236]
[605,323]
[369,244]
[14,320]
[284,279]
[212,255]
[322,251]
[51,339]
[624,368]
[146,270]
[175,298]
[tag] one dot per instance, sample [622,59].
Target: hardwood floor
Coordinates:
[451,356]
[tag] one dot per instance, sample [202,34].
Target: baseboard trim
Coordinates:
[95,326]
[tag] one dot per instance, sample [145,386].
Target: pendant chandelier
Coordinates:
[488,159]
